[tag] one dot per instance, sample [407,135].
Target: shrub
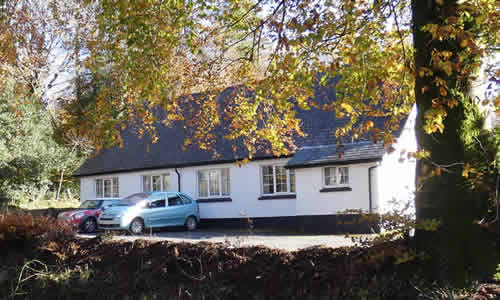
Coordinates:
[26,228]
[31,160]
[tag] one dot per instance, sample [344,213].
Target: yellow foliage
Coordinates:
[347,107]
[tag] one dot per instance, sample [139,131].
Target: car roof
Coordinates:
[164,192]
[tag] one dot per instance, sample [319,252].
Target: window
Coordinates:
[277,179]
[157,204]
[335,176]
[174,200]
[115,187]
[156,200]
[185,199]
[214,183]
[107,188]
[156,183]
[146,183]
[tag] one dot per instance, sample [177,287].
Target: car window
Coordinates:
[156,200]
[185,199]
[133,199]
[157,204]
[91,204]
[107,203]
[174,200]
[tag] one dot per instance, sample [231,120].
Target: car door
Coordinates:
[176,210]
[190,207]
[155,211]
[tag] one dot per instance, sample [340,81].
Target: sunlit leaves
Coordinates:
[459,48]
[156,53]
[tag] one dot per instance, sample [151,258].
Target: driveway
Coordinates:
[283,241]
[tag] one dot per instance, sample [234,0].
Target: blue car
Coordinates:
[150,210]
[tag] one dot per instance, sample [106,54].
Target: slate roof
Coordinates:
[336,154]
[319,125]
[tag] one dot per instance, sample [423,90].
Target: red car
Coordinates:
[85,218]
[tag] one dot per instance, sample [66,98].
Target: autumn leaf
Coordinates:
[367,125]
[423,71]
[347,107]
[452,102]
[438,171]
[443,91]
[466,170]
[421,154]
[371,84]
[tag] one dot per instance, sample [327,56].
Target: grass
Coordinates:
[50,203]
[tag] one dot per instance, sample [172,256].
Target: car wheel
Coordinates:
[89,225]
[137,226]
[191,223]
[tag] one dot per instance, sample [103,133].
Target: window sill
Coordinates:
[277,197]
[213,200]
[336,189]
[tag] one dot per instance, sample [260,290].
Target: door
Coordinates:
[176,210]
[155,211]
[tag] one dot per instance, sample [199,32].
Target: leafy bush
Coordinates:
[28,228]
[497,274]
[30,158]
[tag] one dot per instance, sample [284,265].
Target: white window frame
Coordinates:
[219,174]
[151,175]
[288,183]
[103,179]
[337,174]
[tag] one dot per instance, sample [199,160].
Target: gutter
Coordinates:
[370,196]
[333,163]
[178,180]
[170,166]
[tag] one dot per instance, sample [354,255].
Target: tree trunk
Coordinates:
[459,248]
[60,184]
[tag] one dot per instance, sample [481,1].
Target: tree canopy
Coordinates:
[154,52]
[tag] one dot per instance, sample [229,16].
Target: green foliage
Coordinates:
[30,158]
[496,276]
[482,150]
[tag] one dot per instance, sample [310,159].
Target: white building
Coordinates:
[323,187]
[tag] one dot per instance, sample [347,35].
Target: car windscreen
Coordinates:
[108,203]
[91,204]
[133,199]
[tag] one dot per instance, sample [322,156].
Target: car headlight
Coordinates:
[78,215]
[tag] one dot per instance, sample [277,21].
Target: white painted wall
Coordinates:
[310,201]
[397,172]
[375,185]
[129,182]
[245,190]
